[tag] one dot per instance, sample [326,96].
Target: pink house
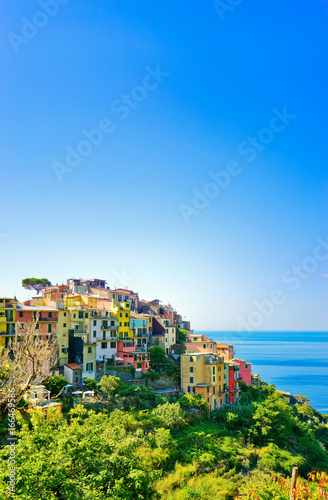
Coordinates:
[126,353]
[244,371]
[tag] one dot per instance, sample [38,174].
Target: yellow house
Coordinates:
[63,325]
[122,313]
[204,374]
[89,361]
[7,320]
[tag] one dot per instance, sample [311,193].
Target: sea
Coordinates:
[296,362]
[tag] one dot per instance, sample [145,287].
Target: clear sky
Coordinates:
[182,91]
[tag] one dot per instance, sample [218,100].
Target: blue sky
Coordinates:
[117,215]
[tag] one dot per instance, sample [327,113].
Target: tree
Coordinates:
[171,415]
[111,384]
[55,384]
[25,362]
[181,336]
[158,358]
[90,384]
[35,284]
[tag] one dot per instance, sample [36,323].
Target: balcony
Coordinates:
[100,338]
[81,331]
[109,327]
[213,360]
[48,319]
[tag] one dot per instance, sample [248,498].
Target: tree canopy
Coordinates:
[35,284]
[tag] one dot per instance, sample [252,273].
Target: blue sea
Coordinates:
[296,362]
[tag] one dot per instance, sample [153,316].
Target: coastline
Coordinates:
[295,362]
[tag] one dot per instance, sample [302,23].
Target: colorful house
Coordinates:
[139,324]
[234,378]
[122,313]
[7,320]
[199,343]
[73,373]
[245,373]
[204,374]
[104,333]
[127,354]
[46,317]
[225,350]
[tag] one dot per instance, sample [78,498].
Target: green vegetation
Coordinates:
[35,284]
[55,384]
[152,448]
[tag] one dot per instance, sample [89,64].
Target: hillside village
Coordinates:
[95,327]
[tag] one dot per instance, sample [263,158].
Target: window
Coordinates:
[64,314]
[80,314]
[191,369]
[246,367]
[191,359]
[89,367]
[219,378]
[213,370]
[113,295]
[21,326]
[94,322]
[139,365]
[219,368]
[126,323]
[120,323]
[104,345]
[74,315]
[89,350]
[126,315]
[213,390]
[50,315]
[94,334]
[208,400]
[104,335]
[211,346]
[86,315]
[37,327]
[113,345]
[204,346]
[49,328]
[106,313]
[112,323]
[64,325]
[219,388]
[172,339]
[21,314]
[191,380]
[121,315]
[213,378]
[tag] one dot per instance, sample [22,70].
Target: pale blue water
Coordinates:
[296,362]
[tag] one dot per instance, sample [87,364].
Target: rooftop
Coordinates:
[73,366]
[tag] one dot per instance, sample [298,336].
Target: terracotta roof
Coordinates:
[73,366]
